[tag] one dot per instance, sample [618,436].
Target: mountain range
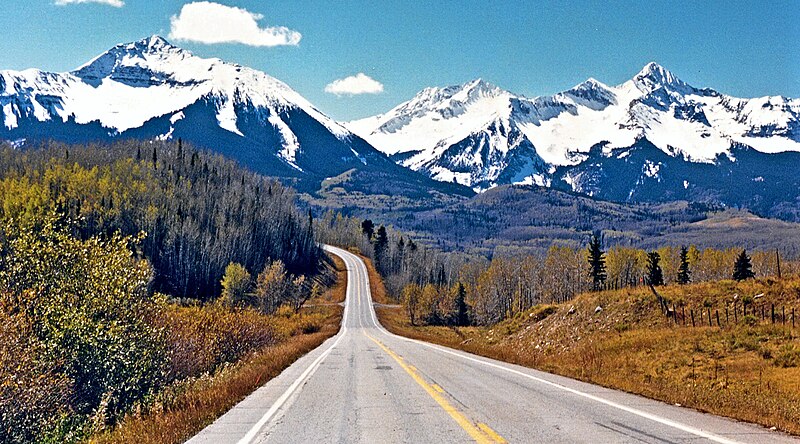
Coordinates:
[652,138]
[481,136]
[153,90]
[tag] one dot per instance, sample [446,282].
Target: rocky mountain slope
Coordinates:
[653,136]
[153,90]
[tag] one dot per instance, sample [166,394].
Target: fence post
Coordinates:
[727,320]
[683,314]
[783,315]
[735,313]
[773,313]
[691,311]
[709,316]
[717,313]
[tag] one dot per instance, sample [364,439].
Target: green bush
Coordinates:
[88,307]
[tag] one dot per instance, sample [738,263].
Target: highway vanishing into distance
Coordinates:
[366,385]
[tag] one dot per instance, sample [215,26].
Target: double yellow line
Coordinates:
[480,432]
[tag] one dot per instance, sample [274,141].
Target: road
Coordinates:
[366,385]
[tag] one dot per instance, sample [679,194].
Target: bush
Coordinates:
[201,338]
[88,308]
[788,356]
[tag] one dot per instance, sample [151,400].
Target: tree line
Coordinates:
[441,288]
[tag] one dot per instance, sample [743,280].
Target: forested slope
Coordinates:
[198,212]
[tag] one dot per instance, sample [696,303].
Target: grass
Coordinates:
[749,371]
[186,408]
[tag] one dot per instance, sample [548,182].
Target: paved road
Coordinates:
[365,385]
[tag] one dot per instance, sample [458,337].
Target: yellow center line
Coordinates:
[481,433]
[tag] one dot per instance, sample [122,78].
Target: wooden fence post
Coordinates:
[691,311]
[717,313]
[709,316]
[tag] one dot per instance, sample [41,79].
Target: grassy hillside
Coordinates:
[746,367]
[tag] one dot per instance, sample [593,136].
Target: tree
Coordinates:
[368,228]
[272,287]
[411,296]
[236,284]
[461,311]
[684,273]
[380,248]
[597,263]
[743,268]
[654,274]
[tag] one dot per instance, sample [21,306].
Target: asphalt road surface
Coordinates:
[366,385]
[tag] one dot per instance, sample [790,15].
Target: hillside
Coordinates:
[529,219]
[746,367]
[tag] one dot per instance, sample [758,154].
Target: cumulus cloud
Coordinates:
[114,3]
[209,23]
[353,85]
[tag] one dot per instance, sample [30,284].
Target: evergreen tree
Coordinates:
[684,273]
[597,263]
[654,274]
[461,307]
[381,247]
[368,228]
[743,268]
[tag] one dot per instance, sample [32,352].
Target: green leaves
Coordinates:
[87,305]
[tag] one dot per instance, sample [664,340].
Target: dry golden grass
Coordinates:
[186,408]
[746,372]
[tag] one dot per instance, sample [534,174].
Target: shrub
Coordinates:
[88,306]
[788,356]
[201,338]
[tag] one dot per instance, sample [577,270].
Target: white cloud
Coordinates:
[114,3]
[353,85]
[208,22]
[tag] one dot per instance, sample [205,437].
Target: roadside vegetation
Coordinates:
[115,303]
[715,330]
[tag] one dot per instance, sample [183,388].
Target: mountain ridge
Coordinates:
[695,124]
[152,90]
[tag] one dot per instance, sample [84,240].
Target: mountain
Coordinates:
[152,90]
[653,137]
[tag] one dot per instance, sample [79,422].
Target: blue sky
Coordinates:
[742,48]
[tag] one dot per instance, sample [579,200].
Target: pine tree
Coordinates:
[597,263]
[461,307]
[743,268]
[368,228]
[380,248]
[684,273]
[654,274]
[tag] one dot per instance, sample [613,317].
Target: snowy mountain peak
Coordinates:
[151,89]
[441,130]
[654,76]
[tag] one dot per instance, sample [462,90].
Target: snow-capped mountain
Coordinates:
[480,135]
[150,89]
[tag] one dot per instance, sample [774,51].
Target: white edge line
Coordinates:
[650,416]
[253,432]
